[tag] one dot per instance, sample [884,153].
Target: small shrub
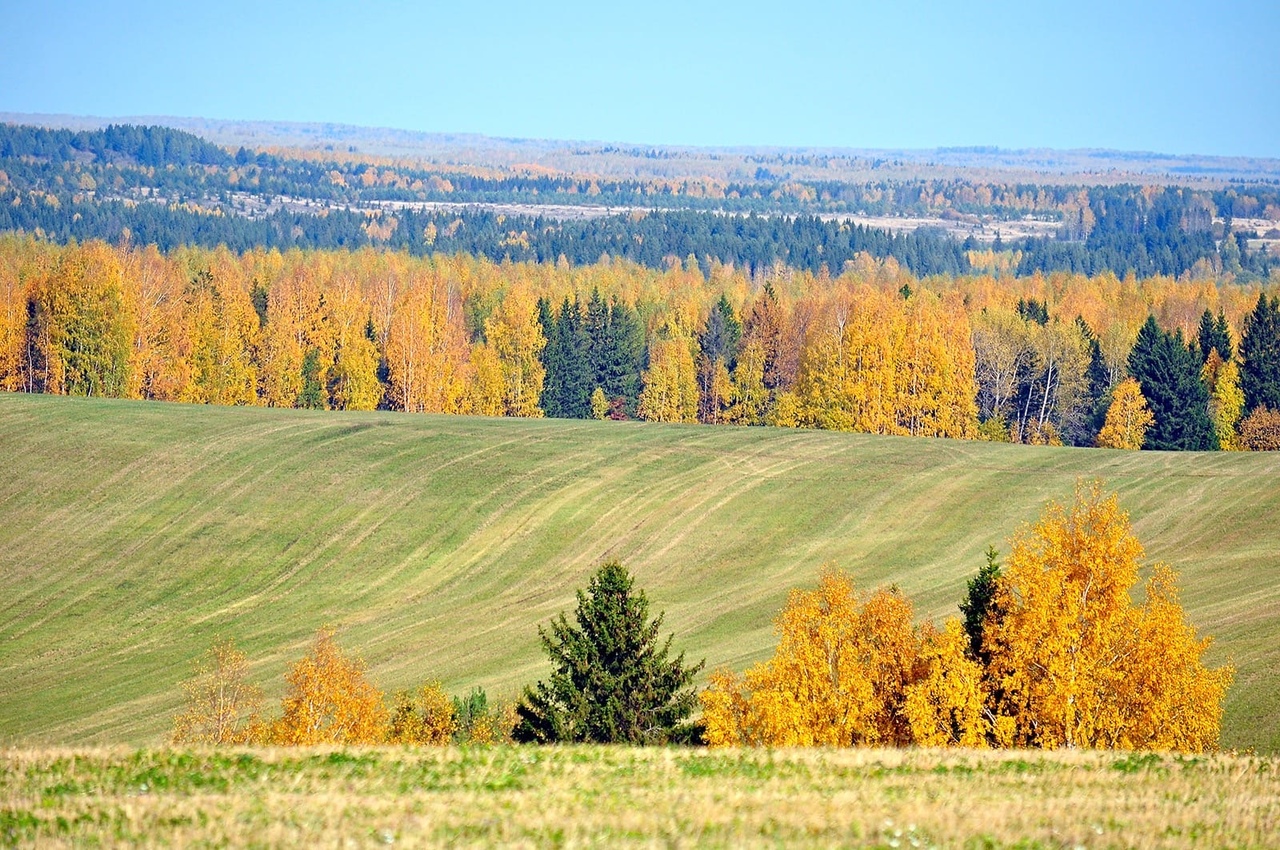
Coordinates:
[1260,431]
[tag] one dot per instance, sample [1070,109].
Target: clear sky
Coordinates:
[1172,77]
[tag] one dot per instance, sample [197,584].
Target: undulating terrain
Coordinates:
[133,534]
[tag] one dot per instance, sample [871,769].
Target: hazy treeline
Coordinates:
[172,188]
[876,349]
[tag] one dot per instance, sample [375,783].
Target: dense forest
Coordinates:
[163,186]
[1058,358]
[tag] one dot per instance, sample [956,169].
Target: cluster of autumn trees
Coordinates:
[877,350]
[1051,652]
[329,699]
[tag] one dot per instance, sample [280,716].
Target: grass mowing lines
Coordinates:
[437,545]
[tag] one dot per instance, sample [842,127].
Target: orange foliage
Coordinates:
[329,700]
[838,678]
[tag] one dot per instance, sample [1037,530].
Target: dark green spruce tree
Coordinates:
[1214,335]
[1084,431]
[312,396]
[611,680]
[1169,373]
[552,383]
[576,381]
[1260,356]
[979,603]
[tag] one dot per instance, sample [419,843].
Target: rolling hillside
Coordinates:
[132,534]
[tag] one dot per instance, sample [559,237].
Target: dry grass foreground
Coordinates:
[573,796]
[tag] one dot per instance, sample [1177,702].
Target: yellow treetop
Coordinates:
[1074,663]
[1128,418]
[329,700]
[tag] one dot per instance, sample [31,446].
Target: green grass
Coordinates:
[134,534]
[631,796]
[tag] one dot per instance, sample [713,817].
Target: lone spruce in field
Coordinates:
[612,682]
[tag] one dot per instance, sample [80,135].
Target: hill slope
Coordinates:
[133,534]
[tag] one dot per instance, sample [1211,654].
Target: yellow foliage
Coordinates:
[515,338]
[599,404]
[1226,399]
[1075,663]
[945,707]
[1128,418]
[329,700]
[838,678]
[670,391]
[425,716]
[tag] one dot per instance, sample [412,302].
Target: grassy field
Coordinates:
[133,534]
[611,796]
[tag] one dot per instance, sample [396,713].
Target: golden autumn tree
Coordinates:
[1074,662]
[514,339]
[937,390]
[329,700]
[82,324]
[840,675]
[220,334]
[1226,399]
[161,366]
[1128,418]
[748,396]
[222,706]
[426,345]
[16,259]
[945,707]
[670,391]
[1260,430]
[425,716]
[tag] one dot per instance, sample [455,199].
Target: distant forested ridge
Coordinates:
[163,186]
[1056,358]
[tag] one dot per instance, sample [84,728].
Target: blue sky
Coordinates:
[1173,77]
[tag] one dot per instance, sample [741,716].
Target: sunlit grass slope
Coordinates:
[132,535]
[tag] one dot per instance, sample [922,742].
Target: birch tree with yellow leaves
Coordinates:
[1128,418]
[1074,662]
[329,700]
[838,678]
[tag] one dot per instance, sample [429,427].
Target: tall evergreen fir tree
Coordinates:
[312,394]
[627,355]
[553,385]
[722,335]
[574,357]
[1169,373]
[1260,356]
[611,679]
[1214,335]
[1099,390]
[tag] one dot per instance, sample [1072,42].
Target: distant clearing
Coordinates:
[132,534]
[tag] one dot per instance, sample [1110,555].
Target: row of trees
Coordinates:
[1051,652]
[86,185]
[328,699]
[876,349]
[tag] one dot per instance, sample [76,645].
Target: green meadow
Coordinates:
[132,535]
[635,797]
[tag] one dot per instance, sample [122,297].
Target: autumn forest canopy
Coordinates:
[708,302]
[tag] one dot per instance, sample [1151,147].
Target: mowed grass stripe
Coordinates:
[133,534]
